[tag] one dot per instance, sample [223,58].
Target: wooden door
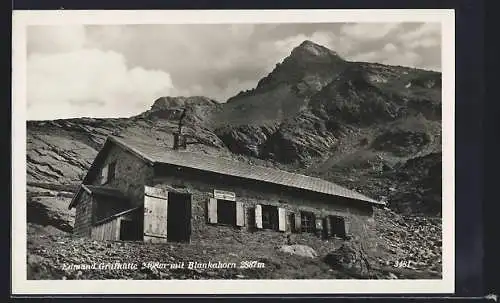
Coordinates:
[155,214]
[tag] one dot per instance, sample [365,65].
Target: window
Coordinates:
[104,175]
[111,171]
[226,212]
[108,173]
[307,222]
[270,217]
[337,226]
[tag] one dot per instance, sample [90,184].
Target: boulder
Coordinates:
[349,257]
[299,250]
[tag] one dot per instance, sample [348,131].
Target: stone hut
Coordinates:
[142,192]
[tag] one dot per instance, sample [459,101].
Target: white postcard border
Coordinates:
[20,284]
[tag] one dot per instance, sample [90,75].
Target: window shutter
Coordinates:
[290,221]
[346,227]
[297,222]
[240,214]
[212,210]
[111,171]
[319,224]
[104,175]
[258,216]
[282,219]
[327,226]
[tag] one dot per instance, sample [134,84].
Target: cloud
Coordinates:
[52,38]
[368,56]
[412,45]
[230,89]
[368,31]
[391,48]
[424,30]
[118,70]
[425,36]
[90,82]
[425,42]
[194,55]
[407,58]
[390,56]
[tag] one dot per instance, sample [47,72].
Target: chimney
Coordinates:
[179,141]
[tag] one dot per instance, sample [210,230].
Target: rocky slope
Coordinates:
[50,251]
[370,127]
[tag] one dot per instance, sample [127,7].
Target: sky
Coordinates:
[119,70]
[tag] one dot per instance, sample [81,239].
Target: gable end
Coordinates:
[96,166]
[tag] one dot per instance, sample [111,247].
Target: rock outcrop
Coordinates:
[299,250]
[350,257]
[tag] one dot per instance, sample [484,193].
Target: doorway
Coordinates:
[129,230]
[179,217]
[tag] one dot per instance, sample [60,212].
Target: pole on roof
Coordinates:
[178,137]
[183,115]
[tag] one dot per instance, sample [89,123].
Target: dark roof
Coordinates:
[119,214]
[104,191]
[157,154]
[96,190]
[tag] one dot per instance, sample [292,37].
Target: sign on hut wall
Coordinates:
[224,195]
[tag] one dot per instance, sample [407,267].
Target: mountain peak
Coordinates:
[310,49]
[306,59]
[307,43]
